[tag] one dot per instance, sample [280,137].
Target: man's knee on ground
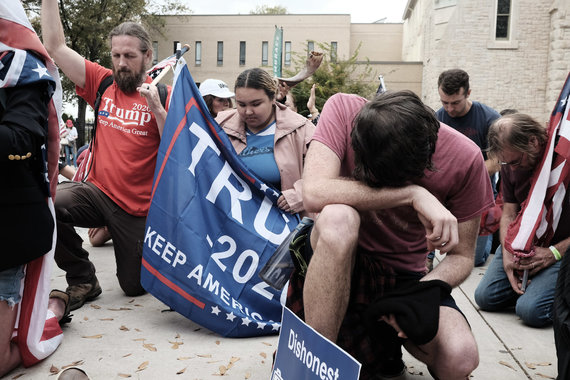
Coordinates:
[487,299]
[532,313]
[461,358]
[131,288]
[481,297]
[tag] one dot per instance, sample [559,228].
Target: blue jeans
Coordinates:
[482,250]
[70,154]
[534,307]
[10,283]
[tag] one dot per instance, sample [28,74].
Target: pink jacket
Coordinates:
[293,133]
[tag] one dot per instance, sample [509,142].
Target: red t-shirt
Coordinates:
[126,143]
[461,183]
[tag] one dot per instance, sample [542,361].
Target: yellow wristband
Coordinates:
[555,252]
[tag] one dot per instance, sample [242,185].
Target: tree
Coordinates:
[86,25]
[332,77]
[267,10]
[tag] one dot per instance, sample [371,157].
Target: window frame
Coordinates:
[198,53]
[264,53]
[220,53]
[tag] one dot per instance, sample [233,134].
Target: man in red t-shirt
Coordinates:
[117,190]
[390,183]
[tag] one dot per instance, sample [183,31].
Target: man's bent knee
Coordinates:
[132,288]
[338,223]
[457,364]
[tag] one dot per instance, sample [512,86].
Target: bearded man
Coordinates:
[116,191]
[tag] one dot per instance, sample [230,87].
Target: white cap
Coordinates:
[216,88]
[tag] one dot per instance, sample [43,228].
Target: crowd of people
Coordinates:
[380,177]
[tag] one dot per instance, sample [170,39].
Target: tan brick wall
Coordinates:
[559,54]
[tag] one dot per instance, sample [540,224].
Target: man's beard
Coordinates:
[128,80]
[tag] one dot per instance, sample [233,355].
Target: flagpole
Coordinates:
[179,53]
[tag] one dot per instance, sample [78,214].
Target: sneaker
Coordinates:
[81,293]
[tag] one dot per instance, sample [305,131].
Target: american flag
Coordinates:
[540,213]
[154,71]
[37,330]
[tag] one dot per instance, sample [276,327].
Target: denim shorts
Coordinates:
[10,283]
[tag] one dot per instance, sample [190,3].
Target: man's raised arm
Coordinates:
[68,60]
[322,185]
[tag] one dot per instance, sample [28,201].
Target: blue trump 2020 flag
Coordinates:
[211,226]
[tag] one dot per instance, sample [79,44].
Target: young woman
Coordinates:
[271,139]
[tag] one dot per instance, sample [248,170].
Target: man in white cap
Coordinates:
[217,95]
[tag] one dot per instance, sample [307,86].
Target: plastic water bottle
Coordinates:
[279,267]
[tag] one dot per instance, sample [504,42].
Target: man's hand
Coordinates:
[510,267]
[282,91]
[150,93]
[311,103]
[440,224]
[542,259]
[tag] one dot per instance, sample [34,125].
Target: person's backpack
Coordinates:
[105,83]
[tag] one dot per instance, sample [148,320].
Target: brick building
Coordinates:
[517,52]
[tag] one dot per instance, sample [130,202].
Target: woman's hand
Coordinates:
[283,205]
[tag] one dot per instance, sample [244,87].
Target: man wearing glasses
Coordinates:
[519,142]
[473,120]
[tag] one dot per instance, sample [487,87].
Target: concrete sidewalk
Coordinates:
[117,337]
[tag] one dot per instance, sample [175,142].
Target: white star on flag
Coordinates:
[42,71]
[264,187]
[230,316]
[215,310]
[563,101]
[245,321]
[276,326]
[261,325]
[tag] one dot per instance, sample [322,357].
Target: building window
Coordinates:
[503,19]
[264,53]
[175,44]
[198,52]
[242,53]
[334,45]
[287,53]
[220,53]
[310,47]
[154,52]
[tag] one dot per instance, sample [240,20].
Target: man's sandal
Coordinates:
[64,296]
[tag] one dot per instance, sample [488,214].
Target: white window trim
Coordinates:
[512,42]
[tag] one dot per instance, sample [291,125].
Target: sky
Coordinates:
[361,11]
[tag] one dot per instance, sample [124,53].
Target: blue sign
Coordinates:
[304,354]
[211,226]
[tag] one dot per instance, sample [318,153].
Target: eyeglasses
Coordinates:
[513,163]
